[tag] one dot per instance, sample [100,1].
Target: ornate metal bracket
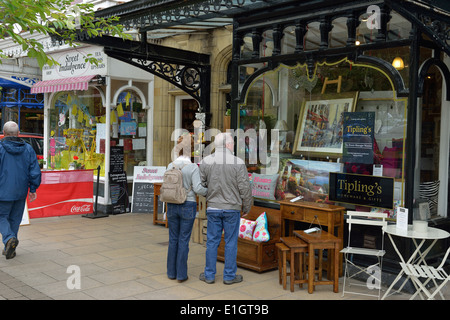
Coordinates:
[436,26]
[189,71]
[190,78]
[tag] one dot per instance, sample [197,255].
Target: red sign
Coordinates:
[63,193]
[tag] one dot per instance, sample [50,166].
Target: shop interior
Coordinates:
[309,116]
[77,126]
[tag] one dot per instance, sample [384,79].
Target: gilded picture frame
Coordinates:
[319,130]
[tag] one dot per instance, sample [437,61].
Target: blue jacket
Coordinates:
[19,169]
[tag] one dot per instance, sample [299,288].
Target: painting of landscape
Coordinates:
[306,178]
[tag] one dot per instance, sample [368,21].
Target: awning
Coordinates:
[5,83]
[66,84]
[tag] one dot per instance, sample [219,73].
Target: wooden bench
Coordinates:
[258,256]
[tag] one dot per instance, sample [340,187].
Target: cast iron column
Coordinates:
[410,143]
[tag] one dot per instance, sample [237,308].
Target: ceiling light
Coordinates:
[398,63]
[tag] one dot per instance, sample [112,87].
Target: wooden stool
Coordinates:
[322,240]
[300,247]
[283,251]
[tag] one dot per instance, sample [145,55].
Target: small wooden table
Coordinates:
[327,215]
[322,240]
[296,246]
[156,193]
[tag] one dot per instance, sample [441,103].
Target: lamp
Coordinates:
[398,63]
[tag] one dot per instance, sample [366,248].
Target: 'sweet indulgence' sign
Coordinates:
[74,63]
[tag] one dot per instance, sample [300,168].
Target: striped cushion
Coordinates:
[430,191]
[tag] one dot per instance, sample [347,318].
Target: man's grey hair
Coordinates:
[11,129]
[222,139]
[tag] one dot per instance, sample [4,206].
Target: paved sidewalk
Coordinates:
[124,257]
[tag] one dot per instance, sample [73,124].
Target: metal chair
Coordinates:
[370,219]
[417,271]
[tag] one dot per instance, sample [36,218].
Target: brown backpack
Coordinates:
[172,190]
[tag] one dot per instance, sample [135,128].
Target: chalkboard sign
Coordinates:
[142,201]
[143,188]
[116,159]
[119,192]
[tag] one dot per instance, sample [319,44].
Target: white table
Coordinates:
[418,256]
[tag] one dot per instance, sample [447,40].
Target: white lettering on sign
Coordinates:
[80,209]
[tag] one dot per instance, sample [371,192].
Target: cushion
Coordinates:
[246,229]
[263,185]
[261,232]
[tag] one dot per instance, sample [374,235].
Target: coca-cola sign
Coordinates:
[85,208]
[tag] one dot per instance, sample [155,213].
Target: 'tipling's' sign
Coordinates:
[371,191]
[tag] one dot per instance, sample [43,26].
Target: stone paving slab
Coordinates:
[123,257]
[14,289]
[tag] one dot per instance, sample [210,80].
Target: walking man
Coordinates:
[229,192]
[19,172]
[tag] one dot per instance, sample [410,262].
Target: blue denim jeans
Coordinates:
[10,218]
[180,218]
[228,221]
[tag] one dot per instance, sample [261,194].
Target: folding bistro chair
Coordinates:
[370,219]
[417,271]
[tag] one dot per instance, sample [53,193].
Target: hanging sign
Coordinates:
[370,191]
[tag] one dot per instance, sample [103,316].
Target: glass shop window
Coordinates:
[307,120]
[10,114]
[74,138]
[432,179]
[129,129]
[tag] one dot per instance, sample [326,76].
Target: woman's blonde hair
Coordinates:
[185,143]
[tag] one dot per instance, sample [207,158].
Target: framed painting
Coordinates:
[320,126]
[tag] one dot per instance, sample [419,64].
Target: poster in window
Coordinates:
[358,135]
[128,128]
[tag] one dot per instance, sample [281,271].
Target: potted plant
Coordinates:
[75,164]
[41,161]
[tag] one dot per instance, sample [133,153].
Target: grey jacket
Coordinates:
[191,177]
[227,180]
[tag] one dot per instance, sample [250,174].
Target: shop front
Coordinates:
[344,106]
[89,109]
